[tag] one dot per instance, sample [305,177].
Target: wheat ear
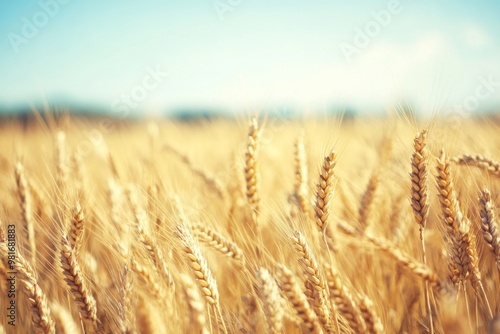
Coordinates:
[25,202]
[75,234]
[367,200]
[196,305]
[406,261]
[370,317]
[343,300]
[467,242]
[150,279]
[155,255]
[212,182]
[489,225]
[491,166]
[78,287]
[125,308]
[325,191]
[292,291]
[315,279]
[40,312]
[217,241]
[198,264]
[61,161]
[419,183]
[420,200]
[452,217]
[64,322]
[301,192]
[268,292]
[251,170]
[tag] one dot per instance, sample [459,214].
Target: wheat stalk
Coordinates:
[420,199]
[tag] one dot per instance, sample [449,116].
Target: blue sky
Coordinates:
[433,54]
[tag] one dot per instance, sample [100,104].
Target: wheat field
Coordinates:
[250,225]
